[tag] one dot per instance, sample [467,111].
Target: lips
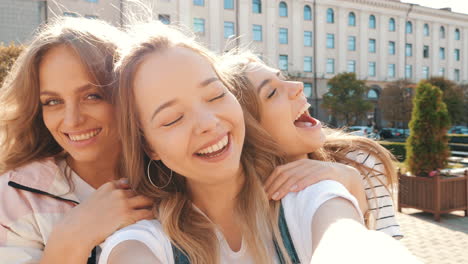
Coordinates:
[82,136]
[216,149]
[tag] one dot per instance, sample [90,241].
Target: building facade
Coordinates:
[313,40]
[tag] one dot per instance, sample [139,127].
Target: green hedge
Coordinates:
[398,149]
[8,55]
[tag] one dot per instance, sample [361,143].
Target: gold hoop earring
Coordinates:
[149,177]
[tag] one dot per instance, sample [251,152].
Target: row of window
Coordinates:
[257,7]
[372,68]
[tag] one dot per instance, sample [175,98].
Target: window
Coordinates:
[372,45]
[456,74]
[283,62]
[165,19]
[425,72]
[457,34]
[352,19]
[308,64]
[257,6]
[283,9]
[442,53]
[91,16]
[330,16]
[442,71]
[409,27]
[408,71]
[351,66]
[257,32]
[331,66]
[371,68]
[228,29]
[307,39]
[351,43]
[308,89]
[426,51]
[442,32]
[330,41]
[307,13]
[372,94]
[391,25]
[372,21]
[199,25]
[426,30]
[409,50]
[199,2]
[391,70]
[228,4]
[391,47]
[456,54]
[70,14]
[283,36]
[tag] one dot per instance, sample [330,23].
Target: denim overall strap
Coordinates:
[181,258]
[287,241]
[92,259]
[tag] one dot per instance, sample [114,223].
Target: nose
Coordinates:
[72,116]
[295,90]
[206,121]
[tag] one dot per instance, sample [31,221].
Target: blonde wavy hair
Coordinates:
[186,227]
[23,135]
[337,143]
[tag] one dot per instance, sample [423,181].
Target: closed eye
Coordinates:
[173,122]
[217,97]
[271,94]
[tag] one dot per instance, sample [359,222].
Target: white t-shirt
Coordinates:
[299,209]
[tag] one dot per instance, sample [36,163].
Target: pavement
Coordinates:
[435,242]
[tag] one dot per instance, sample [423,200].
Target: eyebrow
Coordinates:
[80,89]
[265,82]
[173,101]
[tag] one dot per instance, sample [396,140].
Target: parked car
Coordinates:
[458,130]
[363,131]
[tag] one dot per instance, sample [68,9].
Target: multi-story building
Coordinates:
[313,40]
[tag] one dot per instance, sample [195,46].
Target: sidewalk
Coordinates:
[434,242]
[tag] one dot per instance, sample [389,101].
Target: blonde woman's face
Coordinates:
[284,112]
[74,110]
[190,120]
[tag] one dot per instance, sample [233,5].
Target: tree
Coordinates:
[427,146]
[8,55]
[345,99]
[396,101]
[452,96]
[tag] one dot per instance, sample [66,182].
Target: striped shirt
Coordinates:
[378,196]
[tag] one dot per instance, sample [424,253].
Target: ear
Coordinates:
[151,153]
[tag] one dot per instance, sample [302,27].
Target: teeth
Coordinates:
[304,108]
[84,136]
[215,147]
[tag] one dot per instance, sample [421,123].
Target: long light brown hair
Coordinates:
[23,134]
[337,144]
[186,227]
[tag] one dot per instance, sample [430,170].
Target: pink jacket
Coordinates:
[32,199]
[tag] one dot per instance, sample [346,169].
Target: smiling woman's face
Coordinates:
[284,112]
[191,121]
[73,109]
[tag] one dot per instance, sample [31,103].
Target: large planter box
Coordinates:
[436,195]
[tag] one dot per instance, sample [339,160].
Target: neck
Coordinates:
[296,157]
[95,173]
[217,201]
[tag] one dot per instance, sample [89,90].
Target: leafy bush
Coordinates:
[427,146]
[8,55]
[398,149]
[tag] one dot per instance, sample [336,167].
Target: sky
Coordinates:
[459,6]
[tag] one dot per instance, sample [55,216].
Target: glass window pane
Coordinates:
[372,45]
[330,41]
[391,47]
[228,4]
[283,36]
[307,38]
[371,68]
[283,9]
[283,62]
[257,6]
[199,2]
[351,19]
[257,32]
[351,66]
[331,66]
[307,13]
[391,25]
[409,50]
[308,64]
[199,25]
[330,16]
[372,22]
[308,89]
[351,43]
